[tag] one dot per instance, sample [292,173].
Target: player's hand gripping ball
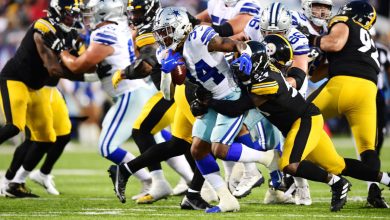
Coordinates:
[174,63]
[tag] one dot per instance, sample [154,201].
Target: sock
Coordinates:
[197,181]
[371,158]
[127,158]
[208,167]
[242,153]
[181,166]
[192,191]
[35,154]
[334,180]
[21,175]
[141,174]
[310,171]
[385,179]
[17,159]
[300,182]
[158,153]
[144,141]
[228,168]
[118,155]
[157,175]
[54,153]
[7,132]
[246,139]
[359,170]
[166,135]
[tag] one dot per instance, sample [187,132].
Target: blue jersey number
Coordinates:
[130,47]
[295,37]
[204,72]
[254,23]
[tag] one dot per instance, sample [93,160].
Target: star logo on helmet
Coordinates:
[176,13]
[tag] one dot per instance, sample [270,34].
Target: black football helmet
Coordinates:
[259,60]
[65,13]
[142,12]
[360,12]
[279,51]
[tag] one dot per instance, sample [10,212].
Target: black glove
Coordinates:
[194,21]
[103,69]
[203,95]
[73,40]
[197,108]
[240,76]
[54,42]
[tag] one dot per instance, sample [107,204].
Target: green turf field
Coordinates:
[87,194]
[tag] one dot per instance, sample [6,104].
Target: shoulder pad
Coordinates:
[264,85]
[43,26]
[248,7]
[337,19]
[202,34]
[105,35]
[144,38]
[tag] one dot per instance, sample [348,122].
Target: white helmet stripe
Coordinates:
[274,12]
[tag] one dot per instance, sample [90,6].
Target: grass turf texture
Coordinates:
[87,193]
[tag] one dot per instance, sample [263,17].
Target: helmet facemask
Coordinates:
[230,3]
[275,19]
[318,13]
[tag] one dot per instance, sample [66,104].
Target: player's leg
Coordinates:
[14,100]
[62,127]
[381,119]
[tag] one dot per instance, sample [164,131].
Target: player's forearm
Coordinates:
[232,108]
[73,63]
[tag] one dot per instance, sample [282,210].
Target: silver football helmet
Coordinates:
[230,3]
[275,19]
[171,27]
[320,16]
[97,11]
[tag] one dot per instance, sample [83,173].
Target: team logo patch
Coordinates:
[271,49]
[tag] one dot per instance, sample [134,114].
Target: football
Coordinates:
[179,73]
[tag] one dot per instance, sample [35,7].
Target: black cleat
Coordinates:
[119,179]
[339,194]
[19,190]
[193,201]
[375,198]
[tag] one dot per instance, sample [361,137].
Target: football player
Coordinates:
[25,99]
[351,90]
[202,50]
[308,151]
[158,112]
[110,45]
[229,17]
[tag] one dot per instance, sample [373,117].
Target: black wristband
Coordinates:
[298,74]
[224,30]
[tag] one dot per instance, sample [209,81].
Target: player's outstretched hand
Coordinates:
[117,78]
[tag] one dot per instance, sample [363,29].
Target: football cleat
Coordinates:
[160,190]
[193,201]
[302,196]
[339,194]
[248,182]
[19,190]
[227,202]
[375,198]
[180,188]
[119,179]
[275,196]
[44,180]
[146,185]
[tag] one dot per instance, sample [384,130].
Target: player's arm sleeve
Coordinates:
[232,108]
[42,26]
[224,30]
[298,74]
[337,19]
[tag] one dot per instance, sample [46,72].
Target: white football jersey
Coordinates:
[298,41]
[220,13]
[117,36]
[300,19]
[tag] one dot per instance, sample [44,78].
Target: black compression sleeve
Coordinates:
[224,30]
[298,74]
[232,108]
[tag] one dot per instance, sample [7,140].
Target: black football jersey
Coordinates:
[26,65]
[285,105]
[359,57]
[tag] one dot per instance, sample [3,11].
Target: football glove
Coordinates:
[170,62]
[202,94]
[54,42]
[197,108]
[103,70]
[245,63]
[117,78]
